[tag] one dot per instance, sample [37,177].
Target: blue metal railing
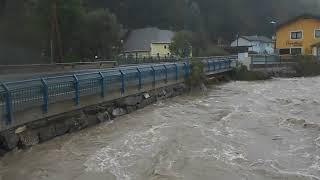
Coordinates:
[21,95]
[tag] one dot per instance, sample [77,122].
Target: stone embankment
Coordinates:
[45,129]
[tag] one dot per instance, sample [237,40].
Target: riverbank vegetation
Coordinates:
[197,76]
[241,73]
[307,66]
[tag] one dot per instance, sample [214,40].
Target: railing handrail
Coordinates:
[47,90]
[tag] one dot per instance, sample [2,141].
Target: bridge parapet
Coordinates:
[34,99]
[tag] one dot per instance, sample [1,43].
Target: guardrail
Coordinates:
[41,93]
[57,67]
[272,59]
[172,59]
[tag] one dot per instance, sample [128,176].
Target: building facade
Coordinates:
[299,36]
[160,49]
[255,44]
[148,42]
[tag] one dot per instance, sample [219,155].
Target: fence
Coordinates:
[273,59]
[43,92]
[142,60]
[265,59]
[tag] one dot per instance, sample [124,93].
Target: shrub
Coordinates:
[307,66]
[197,75]
[241,73]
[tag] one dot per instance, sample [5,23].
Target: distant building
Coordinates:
[148,42]
[300,35]
[255,44]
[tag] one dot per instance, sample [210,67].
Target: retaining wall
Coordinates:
[45,129]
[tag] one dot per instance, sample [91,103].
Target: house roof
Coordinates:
[302,16]
[141,39]
[257,38]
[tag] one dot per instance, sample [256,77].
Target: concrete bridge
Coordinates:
[39,103]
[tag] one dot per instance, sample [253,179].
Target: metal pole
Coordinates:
[177,71]
[166,69]
[8,99]
[45,91]
[122,82]
[77,90]
[140,78]
[103,84]
[154,76]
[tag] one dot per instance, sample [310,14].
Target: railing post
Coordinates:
[122,82]
[8,99]
[45,91]
[208,62]
[214,65]
[220,65]
[154,76]
[186,71]
[77,90]
[103,84]
[166,71]
[265,60]
[177,71]
[140,78]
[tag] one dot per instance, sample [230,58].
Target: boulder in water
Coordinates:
[296,121]
[103,117]
[119,112]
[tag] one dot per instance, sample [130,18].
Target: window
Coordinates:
[317,33]
[296,35]
[165,47]
[296,51]
[284,51]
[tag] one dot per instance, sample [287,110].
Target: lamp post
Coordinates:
[274,24]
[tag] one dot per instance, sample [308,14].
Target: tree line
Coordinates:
[89,28]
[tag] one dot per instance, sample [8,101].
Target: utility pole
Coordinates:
[56,41]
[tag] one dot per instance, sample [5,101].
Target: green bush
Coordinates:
[307,66]
[197,75]
[241,73]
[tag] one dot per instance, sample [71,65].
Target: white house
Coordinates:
[257,44]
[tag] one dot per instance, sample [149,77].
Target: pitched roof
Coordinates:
[257,38]
[302,16]
[141,39]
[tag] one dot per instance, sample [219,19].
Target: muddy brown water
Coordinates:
[265,130]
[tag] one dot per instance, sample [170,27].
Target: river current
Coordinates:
[267,130]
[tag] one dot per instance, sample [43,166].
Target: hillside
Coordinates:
[91,27]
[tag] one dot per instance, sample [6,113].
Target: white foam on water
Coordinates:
[119,156]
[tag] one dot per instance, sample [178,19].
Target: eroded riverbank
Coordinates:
[239,130]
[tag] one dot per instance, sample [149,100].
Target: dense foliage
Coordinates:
[181,44]
[307,66]
[90,28]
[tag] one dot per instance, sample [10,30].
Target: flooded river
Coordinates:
[236,131]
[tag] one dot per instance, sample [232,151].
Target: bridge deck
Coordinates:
[33,99]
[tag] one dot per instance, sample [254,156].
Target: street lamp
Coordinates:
[274,38]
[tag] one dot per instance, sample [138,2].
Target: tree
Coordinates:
[99,34]
[61,20]
[181,44]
